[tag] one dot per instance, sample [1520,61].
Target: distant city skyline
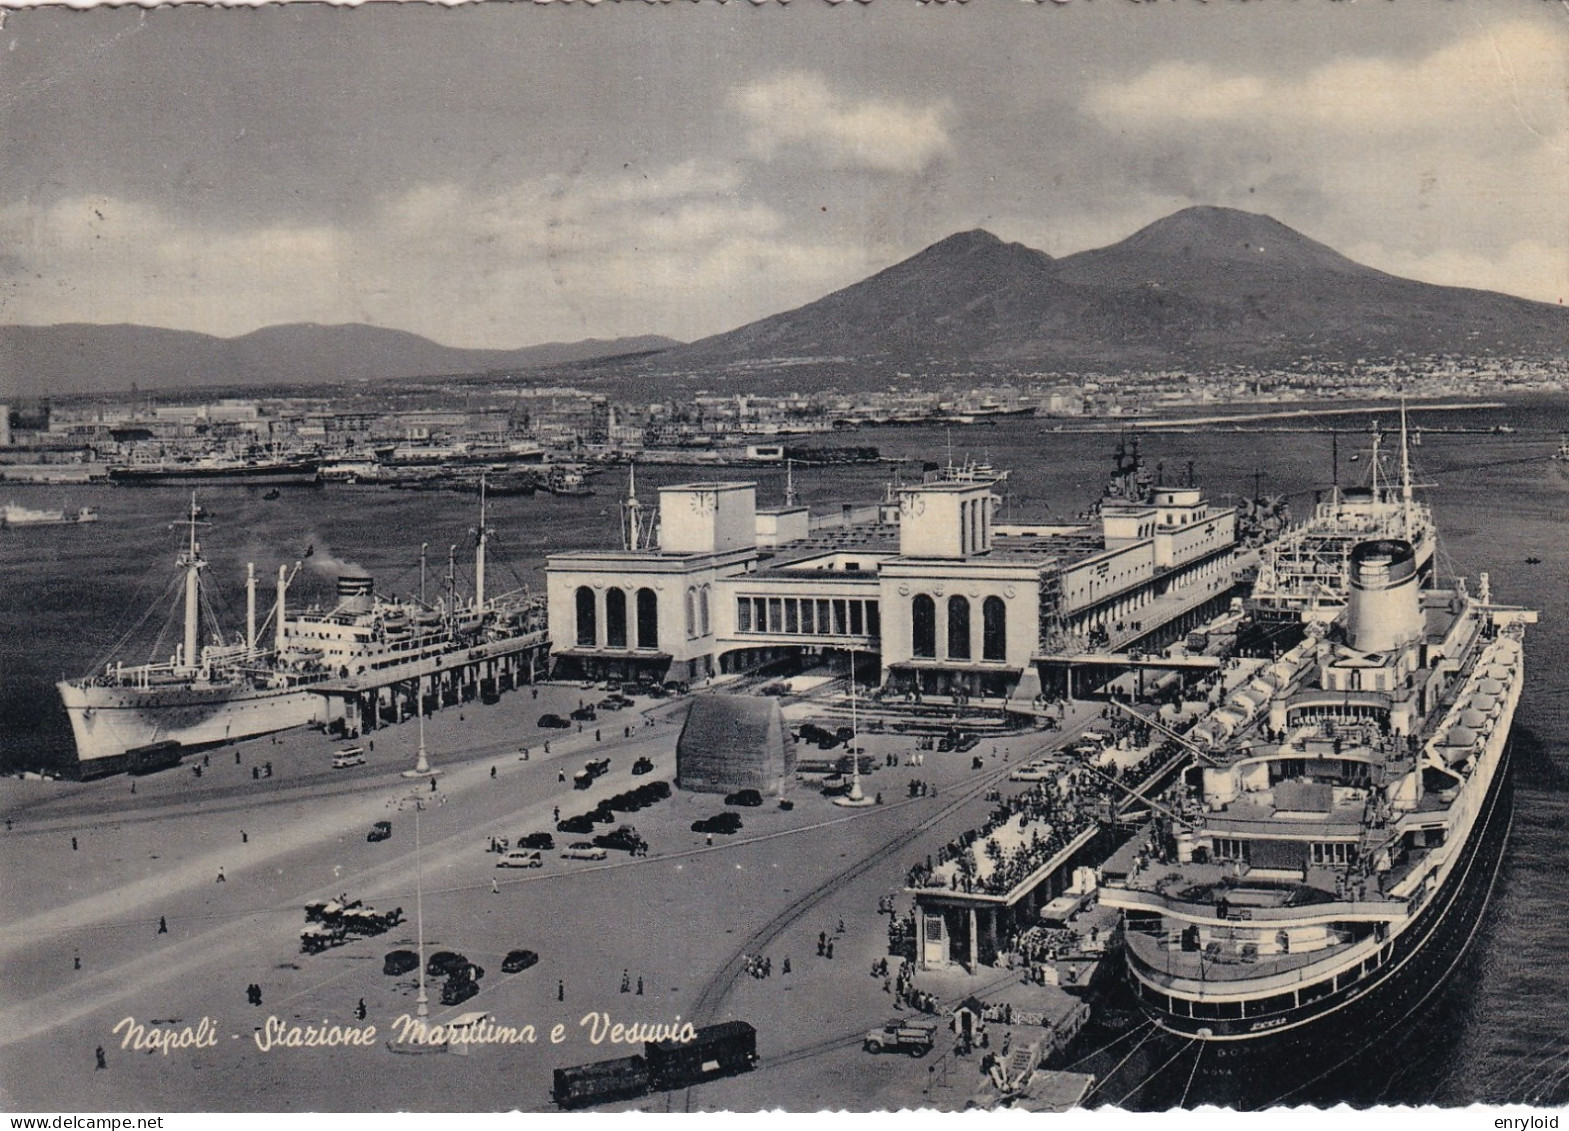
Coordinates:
[501,175]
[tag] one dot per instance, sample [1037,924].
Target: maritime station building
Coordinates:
[943,598]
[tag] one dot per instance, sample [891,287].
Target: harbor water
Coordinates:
[1497,1033]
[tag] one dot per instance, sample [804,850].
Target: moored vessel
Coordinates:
[362,660]
[1325,862]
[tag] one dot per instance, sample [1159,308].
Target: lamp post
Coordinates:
[418,801]
[422,767]
[855,799]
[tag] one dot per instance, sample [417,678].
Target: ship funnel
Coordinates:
[355,593]
[1385,607]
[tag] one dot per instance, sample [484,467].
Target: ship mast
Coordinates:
[479,552]
[789,483]
[1405,472]
[632,533]
[250,608]
[191,561]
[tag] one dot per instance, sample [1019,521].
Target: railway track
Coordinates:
[717,989]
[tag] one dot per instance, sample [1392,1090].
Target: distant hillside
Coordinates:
[1203,284]
[81,358]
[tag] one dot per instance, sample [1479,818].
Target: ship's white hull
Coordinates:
[107,721]
[1407,937]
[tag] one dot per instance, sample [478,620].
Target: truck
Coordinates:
[901,1035]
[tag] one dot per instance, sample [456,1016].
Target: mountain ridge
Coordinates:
[1204,284]
[80,357]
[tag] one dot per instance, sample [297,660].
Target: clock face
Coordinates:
[702,504]
[912,505]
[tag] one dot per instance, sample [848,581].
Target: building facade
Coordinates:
[943,597]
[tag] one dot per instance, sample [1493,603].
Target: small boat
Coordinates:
[13,514]
[274,493]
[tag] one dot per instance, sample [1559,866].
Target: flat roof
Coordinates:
[714,485]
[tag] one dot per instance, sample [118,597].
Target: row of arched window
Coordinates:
[923,628]
[616,636]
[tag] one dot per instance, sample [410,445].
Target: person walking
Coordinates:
[640,985]
[359,1010]
[626,982]
[243,838]
[561,990]
[102,1063]
[163,925]
[73,844]
[492,773]
[495,888]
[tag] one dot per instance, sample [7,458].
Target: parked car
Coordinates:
[583,850]
[521,858]
[746,798]
[1034,771]
[554,722]
[518,961]
[643,765]
[614,703]
[542,841]
[399,962]
[584,714]
[347,758]
[443,961]
[458,990]
[580,824]
[623,839]
[725,823]
[381,830]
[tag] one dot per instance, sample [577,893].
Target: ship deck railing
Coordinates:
[1371,907]
[1166,964]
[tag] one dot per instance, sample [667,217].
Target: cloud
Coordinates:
[674,250]
[1498,88]
[798,111]
[1452,166]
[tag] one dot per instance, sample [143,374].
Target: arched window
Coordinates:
[616,618]
[958,628]
[703,610]
[647,619]
[923,627]
[691,612]
[994,629]
[587,627]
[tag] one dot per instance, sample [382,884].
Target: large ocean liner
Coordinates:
[1333,849]
[351,663]
[1303,575]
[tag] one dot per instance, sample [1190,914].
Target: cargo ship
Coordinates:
[219,471]
[1320,870]
[347,664]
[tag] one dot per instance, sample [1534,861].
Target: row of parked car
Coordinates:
[462,976]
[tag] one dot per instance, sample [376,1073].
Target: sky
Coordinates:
[507,174]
